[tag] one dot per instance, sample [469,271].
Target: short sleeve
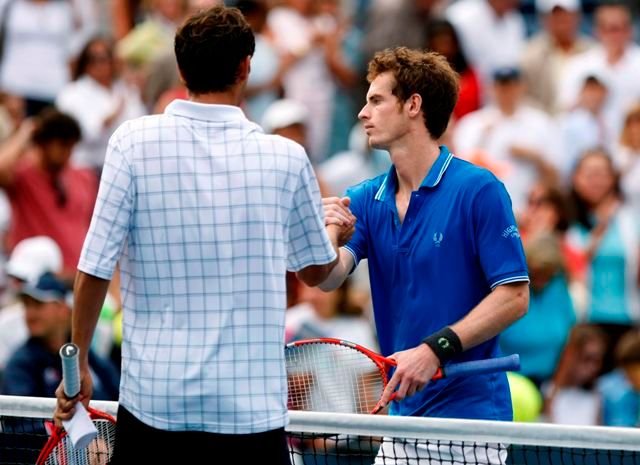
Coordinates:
[496,236]
[308,241]
[357,246]
[111,220]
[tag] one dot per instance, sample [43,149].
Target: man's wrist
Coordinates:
[445,344]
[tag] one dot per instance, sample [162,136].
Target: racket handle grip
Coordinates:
[70,369]
[479,367]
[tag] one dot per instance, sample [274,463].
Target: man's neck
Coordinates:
[413,161]
[232,97]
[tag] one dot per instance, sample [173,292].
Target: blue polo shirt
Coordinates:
[458,241]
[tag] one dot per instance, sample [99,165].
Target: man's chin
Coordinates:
[376,144]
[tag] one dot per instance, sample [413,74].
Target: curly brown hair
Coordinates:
[420,72]
[210,46]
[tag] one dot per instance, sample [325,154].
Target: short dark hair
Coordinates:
[627,350]
[84,57]
[52,124]
[425,73]
[209,47]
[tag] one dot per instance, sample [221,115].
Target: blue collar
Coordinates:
[203,111]
[389,184]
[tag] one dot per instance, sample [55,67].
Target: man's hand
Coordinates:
[415,368]
[337,213]
[65,407]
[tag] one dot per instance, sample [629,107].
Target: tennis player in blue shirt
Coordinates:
[446,263]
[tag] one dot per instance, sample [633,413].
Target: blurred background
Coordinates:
[549,101]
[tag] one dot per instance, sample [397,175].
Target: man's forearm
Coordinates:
[502,307]
[89,294]
[339,272]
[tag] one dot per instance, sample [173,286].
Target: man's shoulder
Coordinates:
[471,175]
[368,187]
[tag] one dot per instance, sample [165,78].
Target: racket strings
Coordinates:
[98,452]
[332,378]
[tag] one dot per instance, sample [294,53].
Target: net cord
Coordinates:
[480,431]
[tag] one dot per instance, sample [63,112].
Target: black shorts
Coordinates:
[137,442]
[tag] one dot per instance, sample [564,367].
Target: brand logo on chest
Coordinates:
[437,239]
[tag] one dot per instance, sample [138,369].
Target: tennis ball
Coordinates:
[117,328]
[525,398]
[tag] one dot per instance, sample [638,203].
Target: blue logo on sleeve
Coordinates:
[511,231]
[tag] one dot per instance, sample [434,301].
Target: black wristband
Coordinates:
[445,344]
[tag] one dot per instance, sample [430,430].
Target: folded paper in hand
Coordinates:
[80,428]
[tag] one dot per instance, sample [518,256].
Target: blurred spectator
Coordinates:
[442,38]
[343,54]
[40,37]
[113,101]
[350,167]
[614,58]
[492,34]
[606,233]
[547,212]
[627,157]
[153,37]
[584,127]
[540,335]
[287,118]
[300,31]
[147,49]
[124,15]
[545,57]
[572,398]
[30,259]
[49,195]
[339,314]
[267,64]
[35,368]
[621,388]
[517,142]
[393,23]
[290,119]
[12,113]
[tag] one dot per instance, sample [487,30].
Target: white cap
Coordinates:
[547,6]
[33,257]
[283,113]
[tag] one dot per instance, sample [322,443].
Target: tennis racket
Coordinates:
[93,435]
[59,449]
[333,375]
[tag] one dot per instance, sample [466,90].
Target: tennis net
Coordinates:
[348,439]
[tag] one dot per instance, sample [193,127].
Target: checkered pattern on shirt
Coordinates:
[205,213]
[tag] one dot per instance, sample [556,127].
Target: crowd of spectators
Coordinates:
[549,102]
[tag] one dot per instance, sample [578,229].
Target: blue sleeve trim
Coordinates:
[512,279]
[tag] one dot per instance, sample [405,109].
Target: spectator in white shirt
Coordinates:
[519,143]
[616,58]
[492,33]
[627,157]
[112,101]
[39,39]
[585,127]
[546,55]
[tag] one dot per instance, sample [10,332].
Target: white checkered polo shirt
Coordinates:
[205,213]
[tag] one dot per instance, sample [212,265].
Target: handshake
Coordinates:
[340,222]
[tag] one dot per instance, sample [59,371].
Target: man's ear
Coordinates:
[415,104]
[244,69]
[182,81]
